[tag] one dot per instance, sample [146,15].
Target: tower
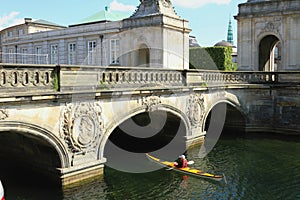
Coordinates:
[230,33]
[268,35]
[156,36]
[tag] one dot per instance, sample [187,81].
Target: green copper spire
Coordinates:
[230,33]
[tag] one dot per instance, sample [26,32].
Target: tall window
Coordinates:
[24,56]
[38,52]
[114,51]
[10,34]
[91,52]
[21,32]
[10,55]
[54,54]
[72,54]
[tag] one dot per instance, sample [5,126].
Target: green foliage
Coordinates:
[55,80]
[103,85]
[211,58]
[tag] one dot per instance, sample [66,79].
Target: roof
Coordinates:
[105,15]
[224,43]
[193,41]
[44,22]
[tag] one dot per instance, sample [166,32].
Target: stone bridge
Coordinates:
[59,119]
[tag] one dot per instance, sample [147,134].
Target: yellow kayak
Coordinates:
[185,170]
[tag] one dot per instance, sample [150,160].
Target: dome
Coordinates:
[257,0]
[193,42]
[224,43]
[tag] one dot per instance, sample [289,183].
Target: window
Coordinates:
[21,32]
[114,51]
[10,34]
[54,54]
[24,56]
[10,55]
[91,52]
[72,54]
[38,52]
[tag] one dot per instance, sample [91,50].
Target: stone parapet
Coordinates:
[271,7]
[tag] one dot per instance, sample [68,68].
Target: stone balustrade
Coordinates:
[213,78]
[118,78]
[35,79]
[26,79]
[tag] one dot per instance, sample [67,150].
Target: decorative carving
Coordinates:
[152,7]
[150,102]
[167,3]
[195,109]
[82,126]
[269,27]
[3,114]
[272,25]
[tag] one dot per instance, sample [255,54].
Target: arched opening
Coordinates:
[269,54]
[28,161]
[234,120]
[143,56]
[159,132]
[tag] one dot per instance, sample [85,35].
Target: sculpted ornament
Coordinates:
[82,126]
[150,102]
[195,109]
[167,3]
[3,114]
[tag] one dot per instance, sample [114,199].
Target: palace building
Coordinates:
[154,35]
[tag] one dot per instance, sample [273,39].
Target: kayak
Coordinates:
[1,191]
[185,170]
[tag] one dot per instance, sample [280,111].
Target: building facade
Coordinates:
[154,35]
[268,35]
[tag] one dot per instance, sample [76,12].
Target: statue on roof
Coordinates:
[155,7]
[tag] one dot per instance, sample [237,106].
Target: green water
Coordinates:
[255,168]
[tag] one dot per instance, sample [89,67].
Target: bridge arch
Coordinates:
[36,132]
[140,110]
[223,112]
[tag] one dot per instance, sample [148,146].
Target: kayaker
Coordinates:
[181,162]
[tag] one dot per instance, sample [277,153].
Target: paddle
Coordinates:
[191,162]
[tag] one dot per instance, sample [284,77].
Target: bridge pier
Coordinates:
[82,172]
[197,138]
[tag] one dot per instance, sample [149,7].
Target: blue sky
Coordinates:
[208,19]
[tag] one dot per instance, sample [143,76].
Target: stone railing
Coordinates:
[118,78]
[26,79]
[49,79]
[241,77]
[258,7]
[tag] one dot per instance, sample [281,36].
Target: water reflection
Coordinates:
[255,168]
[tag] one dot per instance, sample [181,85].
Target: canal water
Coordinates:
[255,168]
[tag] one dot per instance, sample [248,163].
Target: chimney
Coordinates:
[27,20]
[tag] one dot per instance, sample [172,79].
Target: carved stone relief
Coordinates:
[150,102]
[196,109]
[270,25]
[82,126]
[3,114]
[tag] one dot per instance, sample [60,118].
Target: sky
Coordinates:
[208,19]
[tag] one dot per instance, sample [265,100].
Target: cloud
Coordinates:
[10,20]
[198,3]
[121,7]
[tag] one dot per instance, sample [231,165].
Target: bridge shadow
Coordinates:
[234,124]
[28,164]
[158,131]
